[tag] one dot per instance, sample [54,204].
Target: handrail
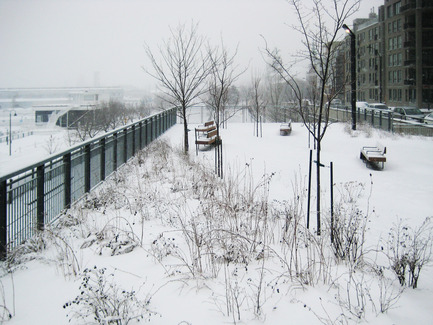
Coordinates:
[34,196]
[78,146]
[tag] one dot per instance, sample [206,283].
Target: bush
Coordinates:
[103,301]
[409,249]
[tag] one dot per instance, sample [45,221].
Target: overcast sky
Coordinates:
[69,43]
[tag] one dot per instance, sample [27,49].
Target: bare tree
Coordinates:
[110,115]
[222,78]
[276,94]
[257,101]
[87,126]
[319,27]
[181,69]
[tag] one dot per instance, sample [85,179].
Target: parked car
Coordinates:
[428,119]
[380,106]
[361,105]
[408,113]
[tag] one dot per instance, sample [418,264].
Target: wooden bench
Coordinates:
[286,128]
[375,156]
[206,134]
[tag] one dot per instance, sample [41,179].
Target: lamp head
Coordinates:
[347,29]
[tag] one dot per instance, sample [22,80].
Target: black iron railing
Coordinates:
[33,197]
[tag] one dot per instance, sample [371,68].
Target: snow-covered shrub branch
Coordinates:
[102,300]
[409,249]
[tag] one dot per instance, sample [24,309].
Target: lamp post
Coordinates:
[352,72]
[10,131]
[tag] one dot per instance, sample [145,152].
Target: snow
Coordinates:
[37,289]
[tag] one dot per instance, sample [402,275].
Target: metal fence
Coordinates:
[34,196]
[382,120]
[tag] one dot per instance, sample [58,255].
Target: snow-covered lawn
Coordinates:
[172,243]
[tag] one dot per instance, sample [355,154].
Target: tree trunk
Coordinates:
[318,186]
[185,131]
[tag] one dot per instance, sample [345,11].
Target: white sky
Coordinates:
[60,43]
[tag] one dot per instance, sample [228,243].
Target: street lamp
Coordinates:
[353,72]
[10,131]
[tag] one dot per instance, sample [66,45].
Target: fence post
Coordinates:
[161,123]
[40,205]
[87,168]
[114,152]
[3,220]
[140,134]
[102,160]
[67,179]
[125,145]
[389,121]
[151,129]
[146,122]
[133,139]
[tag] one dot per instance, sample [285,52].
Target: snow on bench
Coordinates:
[206,134]
[374,155]
[286,128]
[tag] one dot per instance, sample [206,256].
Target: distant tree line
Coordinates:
[105,117]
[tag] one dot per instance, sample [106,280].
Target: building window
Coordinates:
[389,11]
[397,7]
[399,76]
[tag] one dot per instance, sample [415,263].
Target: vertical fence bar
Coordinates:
[3,220]
[67,179]
[87,168]
[40,205]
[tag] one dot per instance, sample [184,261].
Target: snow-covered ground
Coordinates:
[148,207]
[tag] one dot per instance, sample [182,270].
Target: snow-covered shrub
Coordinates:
[28,250]
[102,300]
[163,246]
[66,258]
[409,250]
[116,237]
[349,224]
